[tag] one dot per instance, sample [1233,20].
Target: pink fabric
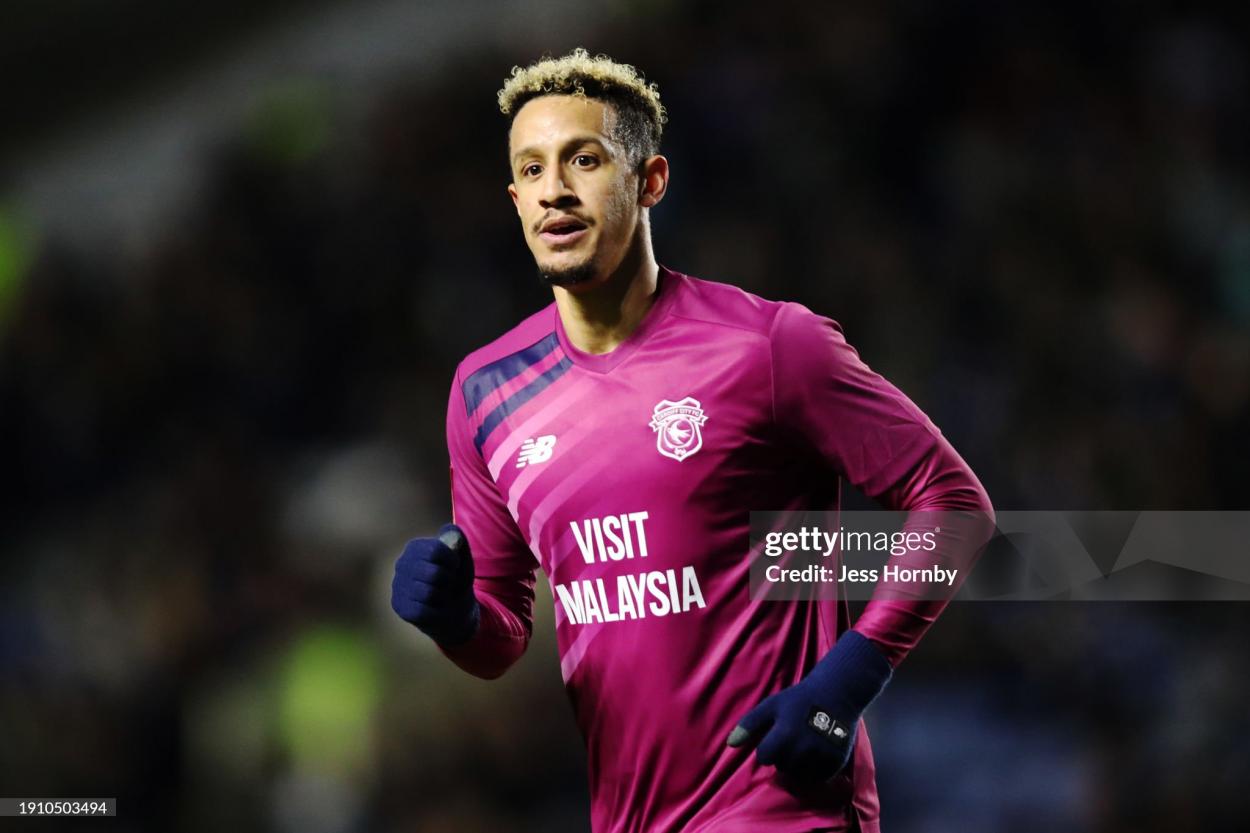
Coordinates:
[787,407]
[508,388]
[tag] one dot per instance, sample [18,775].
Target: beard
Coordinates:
[568,276]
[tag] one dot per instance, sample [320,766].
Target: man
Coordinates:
[618,439]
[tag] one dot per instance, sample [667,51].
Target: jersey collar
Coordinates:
[667,287]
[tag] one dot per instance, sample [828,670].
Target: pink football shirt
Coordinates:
[628,478]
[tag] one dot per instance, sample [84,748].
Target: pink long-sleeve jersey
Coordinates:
[628,478]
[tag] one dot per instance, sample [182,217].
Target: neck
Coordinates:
[598,317]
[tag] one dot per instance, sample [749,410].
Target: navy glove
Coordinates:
[433,587]
[808,730]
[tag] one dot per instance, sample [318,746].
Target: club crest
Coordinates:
[677,427]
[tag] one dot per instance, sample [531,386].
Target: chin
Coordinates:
[567,274]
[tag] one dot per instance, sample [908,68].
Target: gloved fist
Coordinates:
[808,730]
[433,587]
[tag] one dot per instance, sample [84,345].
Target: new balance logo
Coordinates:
[536,450]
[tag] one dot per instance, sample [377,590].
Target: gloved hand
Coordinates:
[433,587]
[808,730]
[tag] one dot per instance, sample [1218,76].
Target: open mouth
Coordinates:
[562,231]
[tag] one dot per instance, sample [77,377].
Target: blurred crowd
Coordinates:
[1035,219]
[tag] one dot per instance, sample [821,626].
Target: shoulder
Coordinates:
[529,343]
[797,343]
[722,304]
[730,306]
[532,331]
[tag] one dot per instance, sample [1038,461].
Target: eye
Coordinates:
[532,169]
[585,160]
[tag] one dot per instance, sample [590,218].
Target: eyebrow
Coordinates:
[575,141]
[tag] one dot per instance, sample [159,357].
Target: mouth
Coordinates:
[562,231]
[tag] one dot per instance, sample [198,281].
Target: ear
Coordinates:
[654,181]
[515,200]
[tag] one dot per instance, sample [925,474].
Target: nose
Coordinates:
[556,192]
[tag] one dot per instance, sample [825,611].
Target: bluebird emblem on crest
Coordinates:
[677,427]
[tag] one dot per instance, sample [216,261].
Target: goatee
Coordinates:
[566,277]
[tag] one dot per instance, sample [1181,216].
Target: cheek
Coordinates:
[619,204]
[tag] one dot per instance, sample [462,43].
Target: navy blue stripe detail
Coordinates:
[479,385]
[518,399]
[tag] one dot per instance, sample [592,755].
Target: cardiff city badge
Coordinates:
[676,425]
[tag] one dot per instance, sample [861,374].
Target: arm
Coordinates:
[859,425]
[472,589]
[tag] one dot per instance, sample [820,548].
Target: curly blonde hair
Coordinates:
[640,116]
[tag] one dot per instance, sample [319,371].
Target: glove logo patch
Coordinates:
[823,722]
[677,427]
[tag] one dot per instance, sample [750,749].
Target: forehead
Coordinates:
[551,119]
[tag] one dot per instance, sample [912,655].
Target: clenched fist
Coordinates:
[433,587]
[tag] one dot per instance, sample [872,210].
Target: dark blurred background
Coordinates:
[243,246]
